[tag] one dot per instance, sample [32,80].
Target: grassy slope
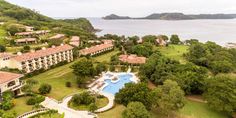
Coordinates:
[191,110]
[106,57]
[3,34]
[174,51]
[200,110]
[16,49]
[59,76]
[20,106]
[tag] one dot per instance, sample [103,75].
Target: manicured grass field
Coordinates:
[200,110]
[174,52]
[21,106]
[106,57]
[116,112]
[57,78]
[191,110]
[101,102]
[54,115]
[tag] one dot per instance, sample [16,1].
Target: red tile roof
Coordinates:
[132,59]
[57,36]
[75,40]
[7,76]
[25,40]
[42,53]
[94,49]
[5,55]
[34,32]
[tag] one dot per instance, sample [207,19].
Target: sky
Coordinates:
[133,8]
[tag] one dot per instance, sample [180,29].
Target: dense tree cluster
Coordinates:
[213,57]
[145,49]
[135,110]
[135,92]
[85,98]
[220,93]
[160,68]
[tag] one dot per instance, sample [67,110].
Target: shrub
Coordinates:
[35,100]
[84,98]
[68,84]
[7,105]
[45,88]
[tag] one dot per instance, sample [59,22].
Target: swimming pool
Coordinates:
[114,88]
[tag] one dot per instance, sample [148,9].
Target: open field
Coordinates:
[174,52]
[200,110]
[191,110]
[57,78]
[21,106]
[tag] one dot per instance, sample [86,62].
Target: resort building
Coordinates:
[132,59]
[40,59]
[29,29]
[10,81]
[161,42]
[3,59]
[75,41]
[29,34]
[107,41]
[94,50]
[57,36]
[26,41]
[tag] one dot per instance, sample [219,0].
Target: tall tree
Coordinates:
[220,93]
[174,39]
[135,110]
[170,97]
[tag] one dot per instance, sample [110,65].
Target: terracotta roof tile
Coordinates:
[132,59]
[7,76]
[96,48]
[42,53]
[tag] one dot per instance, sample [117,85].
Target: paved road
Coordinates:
[62,108]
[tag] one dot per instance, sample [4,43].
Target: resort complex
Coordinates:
[97,49]
[40,59]
[66,68]
[10,81]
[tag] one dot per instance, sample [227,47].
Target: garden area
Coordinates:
[174,51]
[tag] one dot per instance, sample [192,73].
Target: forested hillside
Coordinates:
[10,14]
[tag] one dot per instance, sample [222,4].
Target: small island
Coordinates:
[174,16]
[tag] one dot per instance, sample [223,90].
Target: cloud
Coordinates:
[98,8]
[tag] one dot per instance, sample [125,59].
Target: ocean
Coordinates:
[219,31]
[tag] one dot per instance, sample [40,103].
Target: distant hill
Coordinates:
[113,16]
[11,13]
[176,16]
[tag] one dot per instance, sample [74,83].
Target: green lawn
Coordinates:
[200,110]
[3,34]
[174,51]
[20,106]
[106,57]
[101,102]
[57,78]
[54,115]
[191,110]
[16,49]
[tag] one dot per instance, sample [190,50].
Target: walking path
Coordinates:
[62,108]
[109,105]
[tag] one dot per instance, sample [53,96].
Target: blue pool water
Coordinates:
[114,88]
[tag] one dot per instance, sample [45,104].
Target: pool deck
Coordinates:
[95,87]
